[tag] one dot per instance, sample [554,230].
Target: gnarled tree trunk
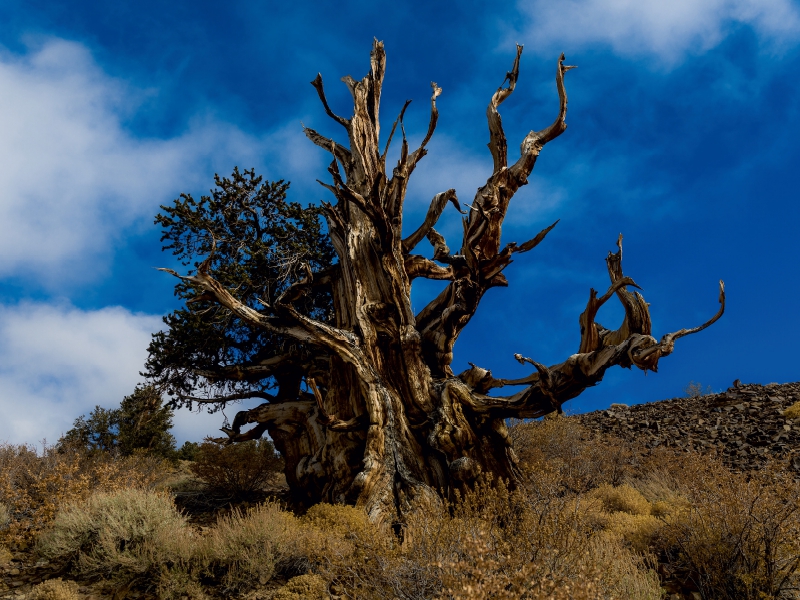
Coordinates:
[386,421]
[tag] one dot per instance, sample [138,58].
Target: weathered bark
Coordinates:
[386,421]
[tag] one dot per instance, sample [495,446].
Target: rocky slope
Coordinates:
[744,424]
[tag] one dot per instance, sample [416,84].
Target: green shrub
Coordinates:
[237,470]
[188,451]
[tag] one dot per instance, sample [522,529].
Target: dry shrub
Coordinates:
[35,485]
[739,537]
[793,412]
[303,587]
[582,460]
[247,549]
[237,470]
[55,589]
[117,535]
[491,542]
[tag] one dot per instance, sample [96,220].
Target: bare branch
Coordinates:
[419,266]
[340,152]
[377,59]
[434,212]
[317,83]
[344,192]
[590,332]
[637,313]
[302,328]
[399,119]
[497,139]
[267,415]
[231,397]
[534,142]
[667,343]
[415,156]
[249,372]
[495,265]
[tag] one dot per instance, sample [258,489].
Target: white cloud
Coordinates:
[666,30]
[73,177]
[58,362]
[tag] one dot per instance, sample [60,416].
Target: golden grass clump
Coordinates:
[54,589]
[623,498]
[793,412]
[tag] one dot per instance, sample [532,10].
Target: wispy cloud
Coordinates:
[666,31]
[73,177]
[58,362]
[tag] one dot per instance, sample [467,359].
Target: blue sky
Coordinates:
[683,129]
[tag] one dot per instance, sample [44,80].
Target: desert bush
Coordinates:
[246,549]
[55,589]
[237,470]
[581,460]
[117,535]
[793,412]
[35,485]
[695,390]
[739,537]
[303,587]
[490,542]
[5,516]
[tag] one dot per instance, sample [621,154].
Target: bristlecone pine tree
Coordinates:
[360,397]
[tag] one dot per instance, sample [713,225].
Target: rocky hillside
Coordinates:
[745,424]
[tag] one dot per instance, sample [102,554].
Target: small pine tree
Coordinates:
[98,432]
[141,423]
[144,423]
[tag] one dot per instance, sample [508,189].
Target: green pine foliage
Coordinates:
[144,424]
[257,243]
[140,424]
[97,432]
